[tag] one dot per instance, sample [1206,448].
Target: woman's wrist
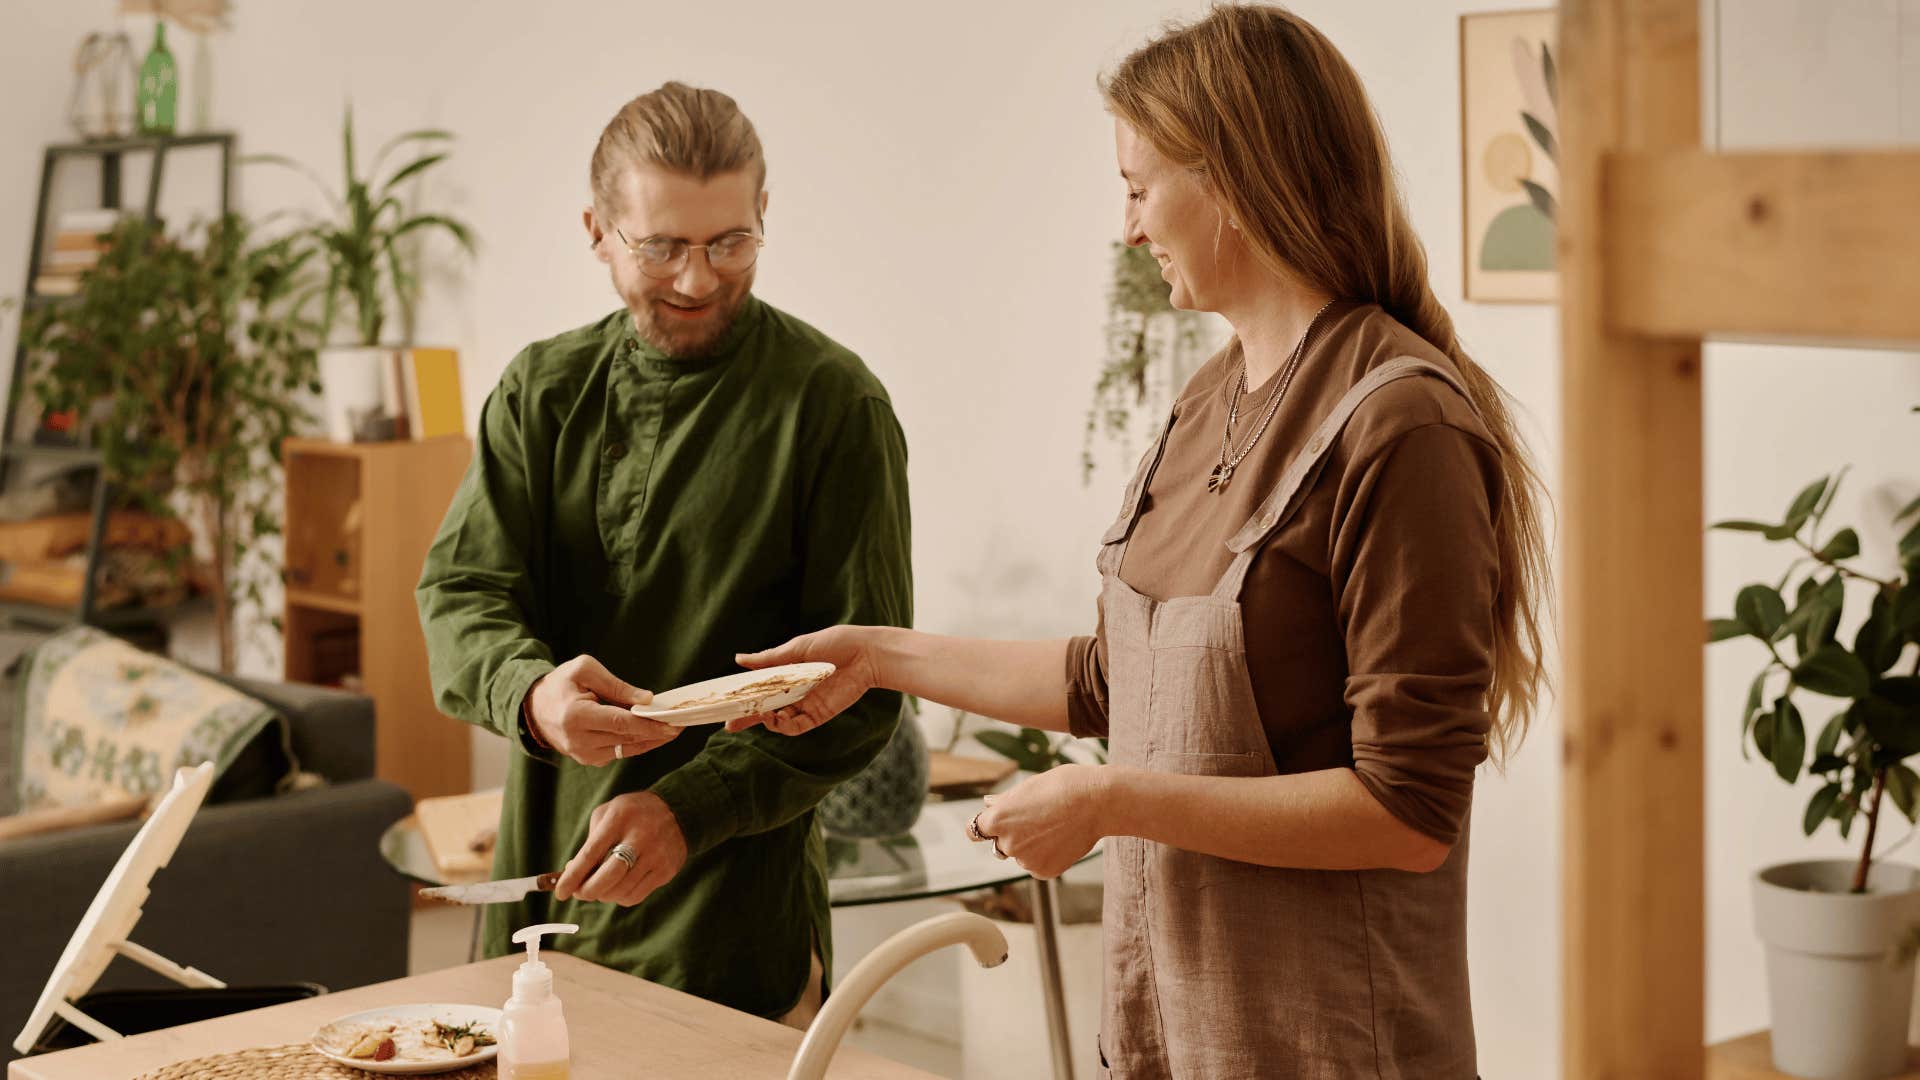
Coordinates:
[1115,795]
[887,648]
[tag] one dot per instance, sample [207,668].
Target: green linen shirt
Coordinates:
[662,515]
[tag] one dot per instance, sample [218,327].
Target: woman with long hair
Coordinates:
[1321,602]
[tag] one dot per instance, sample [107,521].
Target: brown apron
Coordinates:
[1219,969]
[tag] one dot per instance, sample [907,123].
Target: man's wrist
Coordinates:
[526,717]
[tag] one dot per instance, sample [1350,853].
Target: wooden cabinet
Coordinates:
[359,520]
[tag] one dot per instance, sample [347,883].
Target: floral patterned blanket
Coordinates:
[99,719]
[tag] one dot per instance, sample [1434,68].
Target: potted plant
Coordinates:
[1147,338]
[370,271]
[1840,934]
[189,358]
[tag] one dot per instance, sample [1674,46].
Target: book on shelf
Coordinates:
[61,285]
[89,222]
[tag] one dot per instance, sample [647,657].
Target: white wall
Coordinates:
[943,196]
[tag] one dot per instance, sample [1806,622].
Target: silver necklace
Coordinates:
[1222,473]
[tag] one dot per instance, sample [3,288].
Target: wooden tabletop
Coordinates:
[1751,1058]
[613,1020]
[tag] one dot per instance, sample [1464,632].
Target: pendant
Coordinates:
[1217,480]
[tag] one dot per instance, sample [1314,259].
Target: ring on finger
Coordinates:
[625,853]
[997,853]
[619,751]
[973,829]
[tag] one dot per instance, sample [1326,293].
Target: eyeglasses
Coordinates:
[665,256]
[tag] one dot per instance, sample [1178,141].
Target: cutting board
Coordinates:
[450,825]
[954,776]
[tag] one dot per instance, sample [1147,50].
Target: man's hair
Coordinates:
[684,129]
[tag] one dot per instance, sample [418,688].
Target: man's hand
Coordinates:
[641,821]
[580,709]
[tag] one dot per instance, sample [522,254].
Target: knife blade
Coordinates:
[505,891]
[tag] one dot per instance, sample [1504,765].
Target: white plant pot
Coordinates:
[1003,1015]
[353,387]
[1838,990]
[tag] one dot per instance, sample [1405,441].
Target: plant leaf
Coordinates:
[1835,672]
[1542,199]
[1820,807]
[1540,135]
[1760,609]
[1911,508]
[1013,748]
[412,168]
[1789,740]
[1878,643]
[1844,544]
[1737,525]
[1891,715]
[1829,740]
[1755,695]
[1902,786]
[1803,504]
[1722,629]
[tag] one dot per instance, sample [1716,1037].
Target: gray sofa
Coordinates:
[262,891]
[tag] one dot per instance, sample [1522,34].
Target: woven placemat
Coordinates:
[294,1062]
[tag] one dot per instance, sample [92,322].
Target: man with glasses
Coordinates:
[696,475]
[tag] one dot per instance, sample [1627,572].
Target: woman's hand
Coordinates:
[850,649]
[1048,823]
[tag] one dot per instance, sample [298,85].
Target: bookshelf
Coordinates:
[359,520]
[26,454]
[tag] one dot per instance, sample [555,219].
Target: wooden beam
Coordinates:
[1630,531]
[1800,244]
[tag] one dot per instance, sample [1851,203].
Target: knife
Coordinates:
[492,892]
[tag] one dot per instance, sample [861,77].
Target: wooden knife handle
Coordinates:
[546,882]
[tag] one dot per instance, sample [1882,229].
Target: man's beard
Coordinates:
[698,340]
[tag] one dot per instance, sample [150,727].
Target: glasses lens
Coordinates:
[732,254]
[660,258]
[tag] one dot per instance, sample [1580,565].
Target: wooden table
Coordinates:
[1751,1058]
[613,1020]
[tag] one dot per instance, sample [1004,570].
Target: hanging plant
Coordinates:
[1144,332]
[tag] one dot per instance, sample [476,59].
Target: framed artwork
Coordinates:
[1509,131]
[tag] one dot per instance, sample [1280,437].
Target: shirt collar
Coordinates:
[643,352]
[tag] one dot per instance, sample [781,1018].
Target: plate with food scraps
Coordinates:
[411,1039]
[731,697]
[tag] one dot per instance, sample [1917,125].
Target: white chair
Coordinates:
[823,1037]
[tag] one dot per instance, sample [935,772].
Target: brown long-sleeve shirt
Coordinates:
[1369,615]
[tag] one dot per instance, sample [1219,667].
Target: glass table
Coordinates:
[933,859]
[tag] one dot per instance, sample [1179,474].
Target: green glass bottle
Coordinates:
[159,86]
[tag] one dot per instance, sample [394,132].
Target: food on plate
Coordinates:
[405,1041]
[779,684]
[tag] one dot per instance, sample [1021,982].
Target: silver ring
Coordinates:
[997,853]
[619,750]
[625,853]
[973,829]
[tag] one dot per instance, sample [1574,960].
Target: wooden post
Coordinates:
[1630,528]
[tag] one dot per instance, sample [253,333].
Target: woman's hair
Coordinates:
[1277,124]
[680,128]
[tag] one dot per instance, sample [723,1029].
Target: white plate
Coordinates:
[327,1041]
[788,684]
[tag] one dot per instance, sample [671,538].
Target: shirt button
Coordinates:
[616,450]
[632,344]
[1314,446]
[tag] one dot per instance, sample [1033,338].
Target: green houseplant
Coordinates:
[1840,934]
[190,356]
[367,265]
[367,247]
[1144,331]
